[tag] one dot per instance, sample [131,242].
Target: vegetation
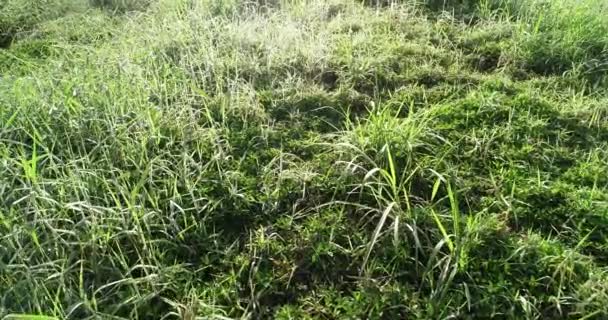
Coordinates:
[303,159]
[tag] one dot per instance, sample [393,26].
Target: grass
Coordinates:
[198,159]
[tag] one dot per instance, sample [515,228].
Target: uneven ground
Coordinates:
[304,159]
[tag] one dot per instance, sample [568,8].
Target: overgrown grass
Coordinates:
[194,159]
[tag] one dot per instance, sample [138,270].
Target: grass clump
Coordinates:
[121,5]
[303,159]
[568,36]
[17,16]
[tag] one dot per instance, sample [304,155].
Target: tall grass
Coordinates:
[21,15]
[190,159]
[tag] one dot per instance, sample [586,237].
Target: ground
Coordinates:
[304,159]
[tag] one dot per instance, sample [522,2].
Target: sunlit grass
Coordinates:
[195,159]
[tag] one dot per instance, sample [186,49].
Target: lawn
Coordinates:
[303,159]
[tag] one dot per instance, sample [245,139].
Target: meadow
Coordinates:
[303,159]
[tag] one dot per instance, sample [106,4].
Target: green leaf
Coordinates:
[377,233]
[444,232]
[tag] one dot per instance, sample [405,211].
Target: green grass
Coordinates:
[304,159]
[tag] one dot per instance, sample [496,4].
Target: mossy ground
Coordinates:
[198,159]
